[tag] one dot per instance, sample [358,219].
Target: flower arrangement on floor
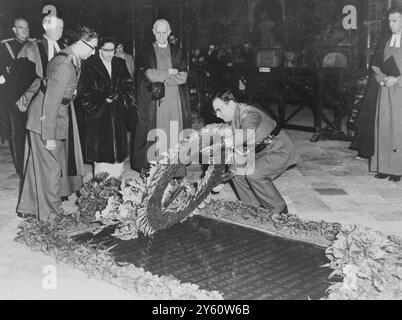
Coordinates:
[95,194]
[370,264]
[288,225]
[159,200]
[99,263]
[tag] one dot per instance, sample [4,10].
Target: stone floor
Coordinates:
[329,184]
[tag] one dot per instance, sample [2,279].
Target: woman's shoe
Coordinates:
[381,176]
[394,178]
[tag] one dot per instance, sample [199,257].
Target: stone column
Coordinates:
[251,4]
[285,25]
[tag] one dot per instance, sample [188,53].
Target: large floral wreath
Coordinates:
[160,200]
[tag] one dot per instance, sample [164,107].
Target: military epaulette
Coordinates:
[70,58]
[75,61]
[67,57]
[7,40]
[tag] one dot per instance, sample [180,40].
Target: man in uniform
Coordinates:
[41,52]
[12,121]
[275,152]
[52,131]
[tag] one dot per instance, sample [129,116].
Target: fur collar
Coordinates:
[97,64]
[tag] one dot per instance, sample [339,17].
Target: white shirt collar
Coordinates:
[52,45]
[160,45]
[395,41]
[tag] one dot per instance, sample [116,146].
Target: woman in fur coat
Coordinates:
[105,105]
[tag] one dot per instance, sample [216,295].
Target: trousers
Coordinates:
[16,137]
[45,178]
[257,188]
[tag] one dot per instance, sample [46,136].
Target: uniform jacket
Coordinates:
[48,114]
[31,51]
[9,50]
[249,117]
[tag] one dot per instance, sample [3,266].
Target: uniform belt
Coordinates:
[64,101]
[268,139]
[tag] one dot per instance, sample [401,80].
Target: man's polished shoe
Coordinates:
[394,178]
[381,176]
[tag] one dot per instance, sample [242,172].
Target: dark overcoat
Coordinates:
[103,126]
[147,108]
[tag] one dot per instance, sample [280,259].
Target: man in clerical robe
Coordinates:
[363,141]
[13,121]
[387,158]
[40,52]
[162,66]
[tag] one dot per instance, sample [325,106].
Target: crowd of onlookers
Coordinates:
[223,55]
[214,67]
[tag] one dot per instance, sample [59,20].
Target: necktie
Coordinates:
[56,46]
[53,48]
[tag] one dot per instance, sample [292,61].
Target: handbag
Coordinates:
[157,90]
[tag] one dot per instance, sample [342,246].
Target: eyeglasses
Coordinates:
[108,50]
[92,47]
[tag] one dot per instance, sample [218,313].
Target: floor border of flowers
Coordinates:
[98,263]
[369,262]
[286,226]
